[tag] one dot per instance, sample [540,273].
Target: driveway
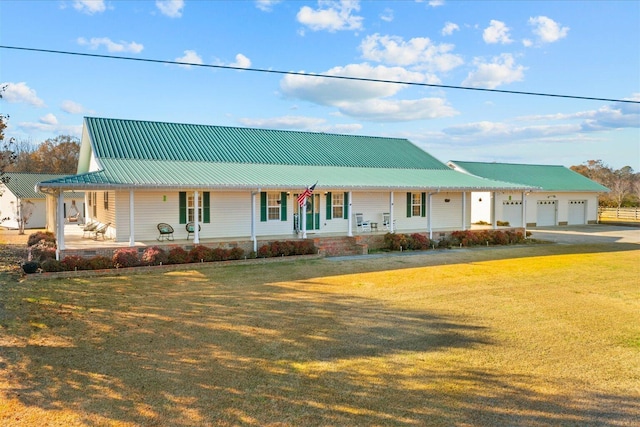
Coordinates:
[597,233]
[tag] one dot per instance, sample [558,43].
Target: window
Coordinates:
[106,200]
[416,204]
[95,204]
[337,205]
[187,209]
[273,206]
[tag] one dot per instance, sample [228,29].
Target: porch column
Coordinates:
[60,224]
[524,213]
[464,210]
[429,215]
[391,228]
[349,216]
[132,239]
[303,218]
[253,220]
[196,217]
[494,224]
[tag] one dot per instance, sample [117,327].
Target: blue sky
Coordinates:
[581,48]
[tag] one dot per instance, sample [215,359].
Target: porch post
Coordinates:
[132,239]
[196,217]
[524,213]
[303,215]
[391,229]
[60,224]
[429,215]
[494,224]
[464,210]
[253,220]
[349,218]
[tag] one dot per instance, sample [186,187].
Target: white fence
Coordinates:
[622,213]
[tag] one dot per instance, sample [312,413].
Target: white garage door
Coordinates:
[577,211]
[546,213]
[512,212]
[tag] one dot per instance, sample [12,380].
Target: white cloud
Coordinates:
[72,107]
[331,16]
[20,92]
[95,43]
[190,57]
[311,124]
[449,28]
[547,30]
[266,5]
[496,32]
[527,43]
[49,119]
[387,15]
[329,91]
[170,8]
[388,110]
[241,61]
[89,6]
[500,71]
[366,100]
[436,3]
[419,51]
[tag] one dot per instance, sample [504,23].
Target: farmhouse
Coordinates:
[19,200]
[242,184]
[563,197]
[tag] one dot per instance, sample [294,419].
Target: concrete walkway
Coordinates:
[597,233]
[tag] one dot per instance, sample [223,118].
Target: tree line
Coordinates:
[623,183]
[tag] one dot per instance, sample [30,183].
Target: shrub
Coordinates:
[304,247]
[126,257]
[42,251]
[99,263]
[178,255]
[52,265]
[500,238]
[35,238]
[418,242]
[264,251]
[74,262]
[502,223]
[236,253]
[30,267]
[154,256]
[200,253]
[220,254]
[395,241]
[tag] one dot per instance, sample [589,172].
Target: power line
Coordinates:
[326,76]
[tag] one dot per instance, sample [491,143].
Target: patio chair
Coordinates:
[190,227]
[361,224]
[166,232]
[386,222]
[89,228]
[102,229]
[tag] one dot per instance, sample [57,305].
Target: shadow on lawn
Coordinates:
[192,352]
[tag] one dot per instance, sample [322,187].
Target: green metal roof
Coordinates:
[22,184]
[144,140]
[166,174]
[547,177]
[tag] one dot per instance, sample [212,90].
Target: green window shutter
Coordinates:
[263,206]
[423,207]
[329,210]
[408,205]
[345,210]
[182,210]
[283,206]
[206,207]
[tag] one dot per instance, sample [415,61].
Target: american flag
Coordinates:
[306,193]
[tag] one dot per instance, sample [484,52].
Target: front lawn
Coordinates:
[517,336]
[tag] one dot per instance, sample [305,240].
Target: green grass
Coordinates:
[514,336]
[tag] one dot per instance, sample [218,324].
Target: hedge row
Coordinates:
[42,251]
[417,241]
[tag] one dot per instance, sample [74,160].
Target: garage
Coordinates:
[512,212]
[546,213]
[577,212]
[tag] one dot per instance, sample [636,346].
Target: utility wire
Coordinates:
[326,76]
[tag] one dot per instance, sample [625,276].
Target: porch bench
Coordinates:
[166,232]
[102,229]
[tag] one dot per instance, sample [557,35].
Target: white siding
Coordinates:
[447,214]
